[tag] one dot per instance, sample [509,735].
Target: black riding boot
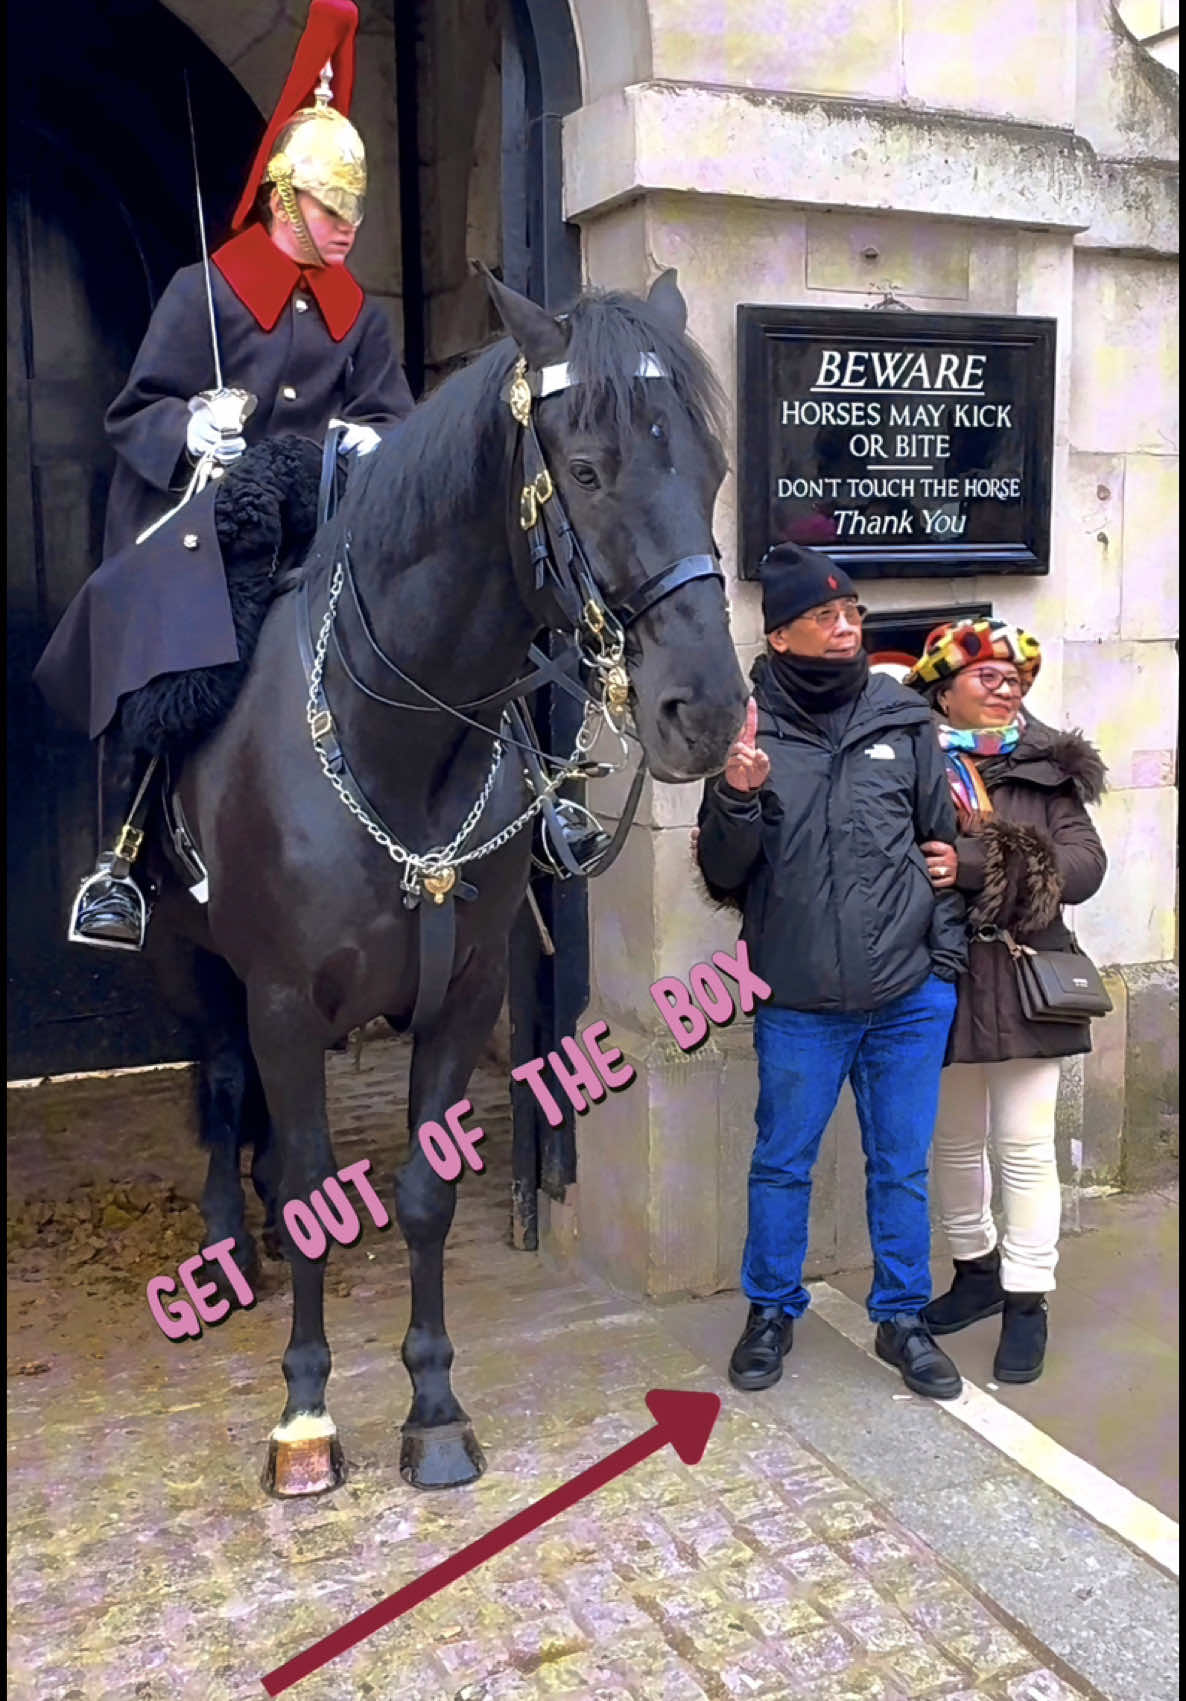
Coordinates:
[976,1292]
[110,909]
[1022,1350]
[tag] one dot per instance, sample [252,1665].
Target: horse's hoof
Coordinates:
[304,1457]
[447,1456]
[272,1244]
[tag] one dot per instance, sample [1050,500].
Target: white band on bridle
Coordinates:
[554,378]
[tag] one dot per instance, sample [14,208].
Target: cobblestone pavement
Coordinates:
[146,1563]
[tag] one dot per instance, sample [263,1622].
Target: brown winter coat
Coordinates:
[1037,851]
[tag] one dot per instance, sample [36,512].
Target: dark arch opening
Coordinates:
[100,213]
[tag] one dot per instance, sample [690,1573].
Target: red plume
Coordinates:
[329,36]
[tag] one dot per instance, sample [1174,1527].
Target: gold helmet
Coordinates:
[311,144]
[321,152]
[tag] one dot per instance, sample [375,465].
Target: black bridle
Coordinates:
[558,561]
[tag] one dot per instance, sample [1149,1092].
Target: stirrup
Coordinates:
[106,877]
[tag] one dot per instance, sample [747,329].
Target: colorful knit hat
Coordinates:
[958,645]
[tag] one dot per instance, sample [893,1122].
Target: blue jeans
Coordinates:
[894,1057]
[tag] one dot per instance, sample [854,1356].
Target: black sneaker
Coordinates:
[765,1341]
[1021,1354]
[905,1342]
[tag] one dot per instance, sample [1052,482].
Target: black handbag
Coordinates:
[1055,986]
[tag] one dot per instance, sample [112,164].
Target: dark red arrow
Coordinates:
[685,1420]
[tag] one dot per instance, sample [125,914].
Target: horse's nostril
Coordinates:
[677,715]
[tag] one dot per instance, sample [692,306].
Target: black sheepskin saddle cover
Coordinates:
[265,514]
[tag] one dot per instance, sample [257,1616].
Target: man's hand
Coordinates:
[746,767]
[203,437]
[358,440]
[942,863]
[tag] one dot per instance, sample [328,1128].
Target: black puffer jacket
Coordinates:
[839,912]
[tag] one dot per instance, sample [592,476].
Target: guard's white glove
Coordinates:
[202,437]
[358,440]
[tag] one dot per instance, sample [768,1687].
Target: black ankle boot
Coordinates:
[976,1292]
[110,908]
[905,1342]
[765,1341]
[1022,1350]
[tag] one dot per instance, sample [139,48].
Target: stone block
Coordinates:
[738,1097]
[682,1223]
[764,44]
[1132,918]
[1124,102]
[1125,698]
[1013,62]
[1124,362]
[622,932]
[867,255]
[1094,517]
[1068,1140]
[1104,1069]
[1151,1076]
[613,1162]
[1149,601]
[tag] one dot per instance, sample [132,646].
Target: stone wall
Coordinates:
[1019,159]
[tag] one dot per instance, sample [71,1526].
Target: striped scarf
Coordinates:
[959,745]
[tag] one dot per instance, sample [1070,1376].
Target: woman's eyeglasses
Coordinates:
[992,679]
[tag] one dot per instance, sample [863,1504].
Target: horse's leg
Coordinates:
[304,1456]
[439,1448]
[257,1127]
[201,989]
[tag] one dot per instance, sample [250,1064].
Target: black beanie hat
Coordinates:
[794,580]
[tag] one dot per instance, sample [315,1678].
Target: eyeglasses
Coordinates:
[992,679]
[829,616]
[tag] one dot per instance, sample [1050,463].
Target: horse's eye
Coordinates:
[657,431]
[585,474]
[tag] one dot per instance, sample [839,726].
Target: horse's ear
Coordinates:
[540,337]
[667,303]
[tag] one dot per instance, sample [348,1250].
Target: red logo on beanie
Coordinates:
[835,583]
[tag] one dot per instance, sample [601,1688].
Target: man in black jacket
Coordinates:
[832,810]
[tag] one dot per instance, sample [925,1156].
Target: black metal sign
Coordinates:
[905,445]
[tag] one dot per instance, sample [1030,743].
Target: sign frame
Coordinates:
[759,327]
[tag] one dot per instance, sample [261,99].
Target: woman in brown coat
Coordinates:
[1026,847]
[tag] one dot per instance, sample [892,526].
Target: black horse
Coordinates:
[308,932]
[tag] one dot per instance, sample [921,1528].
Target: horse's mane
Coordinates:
[445,457]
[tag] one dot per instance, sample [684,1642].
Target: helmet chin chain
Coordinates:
[282,182]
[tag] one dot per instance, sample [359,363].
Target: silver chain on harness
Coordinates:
[435,870]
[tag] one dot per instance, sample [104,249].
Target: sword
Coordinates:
[229,407]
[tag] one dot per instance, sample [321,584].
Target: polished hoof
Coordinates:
[313,1465]
[447,1456]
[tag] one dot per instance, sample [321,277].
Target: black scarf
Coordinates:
[816,684]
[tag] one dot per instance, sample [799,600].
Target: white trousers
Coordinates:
[1006,1109]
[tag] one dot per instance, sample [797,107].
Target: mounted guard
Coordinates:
[269,335]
